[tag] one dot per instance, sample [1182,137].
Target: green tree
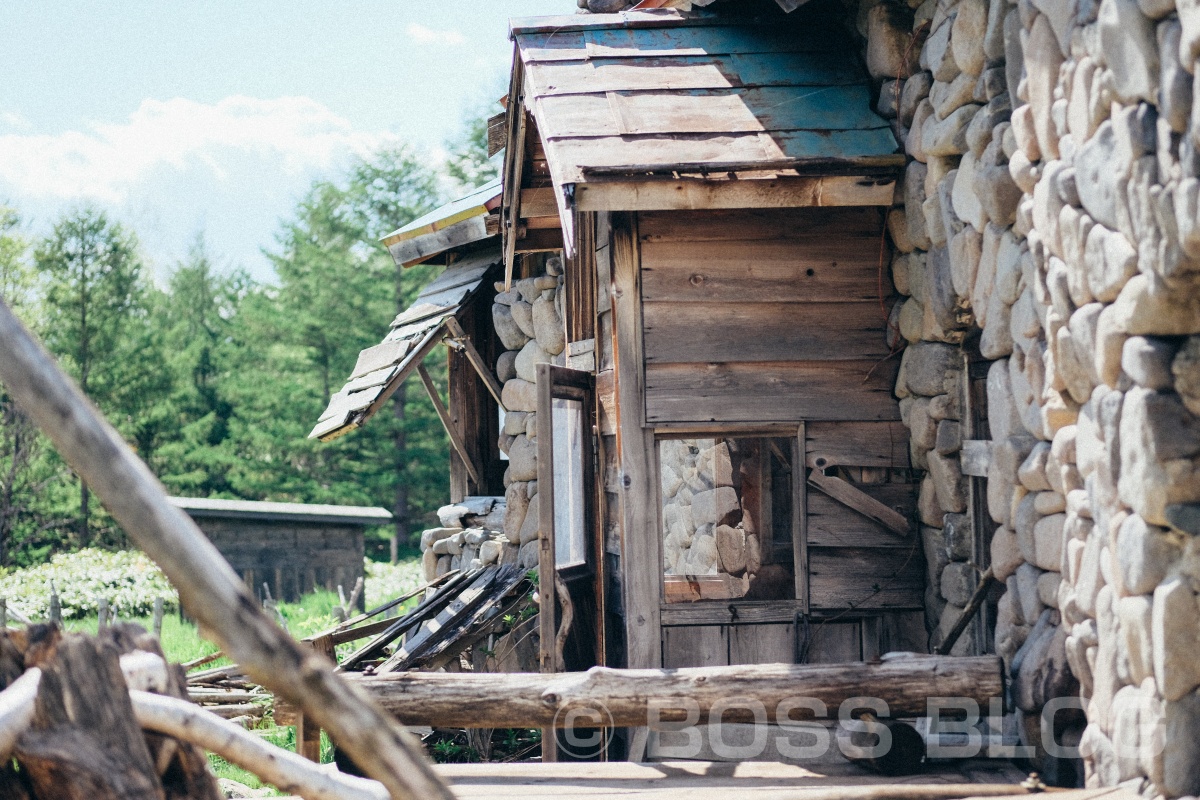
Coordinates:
[32,477]
[468,164]
[195,317]
[97,323]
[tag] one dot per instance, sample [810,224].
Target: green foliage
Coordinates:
[127,579]
[217,380]
[468,164]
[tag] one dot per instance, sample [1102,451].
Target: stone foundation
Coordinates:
[1049,221]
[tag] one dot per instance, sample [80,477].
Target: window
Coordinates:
[727,518]
[570,518]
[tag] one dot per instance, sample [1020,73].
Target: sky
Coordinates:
[212,117]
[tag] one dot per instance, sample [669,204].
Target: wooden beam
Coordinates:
[514,160]
[447,423]
[640,502]
[684,194]
[210,591]
[538,202]
[548,583]
[410,252]
[845,493]
[460,337]
[534,700]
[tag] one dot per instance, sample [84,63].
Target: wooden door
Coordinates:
[570,550]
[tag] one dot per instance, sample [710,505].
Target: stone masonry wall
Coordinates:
[1050,216]
[528,320]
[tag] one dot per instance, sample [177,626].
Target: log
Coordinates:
[209,590]
[16,710]
[625,697]
[285,770]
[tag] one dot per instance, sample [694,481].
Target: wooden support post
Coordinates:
[534,700]
[447,423]
[548,583]
[209,589]
[973,605]
[459,336]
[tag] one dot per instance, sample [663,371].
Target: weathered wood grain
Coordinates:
[832,524]
[535,700]
[829,270]
[810,225]
[865,578]
[762,644]
[859,501]
[687,194]
[771,391]
[785,331]
[865,444]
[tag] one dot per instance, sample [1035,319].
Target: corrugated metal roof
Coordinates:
[413,335]
[649,91]
[292,512]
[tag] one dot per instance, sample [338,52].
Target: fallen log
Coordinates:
[209,590]
[629,698]
[281,768]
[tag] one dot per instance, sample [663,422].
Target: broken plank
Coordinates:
[850,495]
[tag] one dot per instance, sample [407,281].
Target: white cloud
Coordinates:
[290,136]
[15,120]
[423,35]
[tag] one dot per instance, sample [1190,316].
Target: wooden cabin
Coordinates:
[292,548]
[722,473]
[720,188]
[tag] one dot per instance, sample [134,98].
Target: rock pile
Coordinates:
[471,536]
[1052,203]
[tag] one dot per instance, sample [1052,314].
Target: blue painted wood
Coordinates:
[692,72]
[708,111]
[679,41]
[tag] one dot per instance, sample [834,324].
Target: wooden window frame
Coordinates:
[725,612]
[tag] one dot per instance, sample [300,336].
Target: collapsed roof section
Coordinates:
[627,104]
[414,334]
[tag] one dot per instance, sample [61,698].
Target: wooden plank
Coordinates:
[771,392]
[689,40]
[799,518]
[606,401]
[413,251]
[831,524]
[538,203]
[427,305]
[690,588]
[851,496]
[371,379]
[857,443]
[379,356]
[834,643]
[721,331]
[497,133]
[976,457]
[761,644]
[773,193]
[471,270]
[476,360]
[548,584]
[539,240]
[695,646]
[834,271]
[642,558]
[444,415]
[668,73]
[865,578]
[573,159]
[514,163]
[812,226]
[686,111]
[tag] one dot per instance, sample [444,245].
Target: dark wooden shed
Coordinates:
[292,547]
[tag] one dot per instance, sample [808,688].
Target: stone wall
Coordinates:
[1049,221]
[528,320]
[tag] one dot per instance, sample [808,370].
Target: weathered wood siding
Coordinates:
[291,557]
[773,315]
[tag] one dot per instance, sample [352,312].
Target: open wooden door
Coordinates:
[570,563]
